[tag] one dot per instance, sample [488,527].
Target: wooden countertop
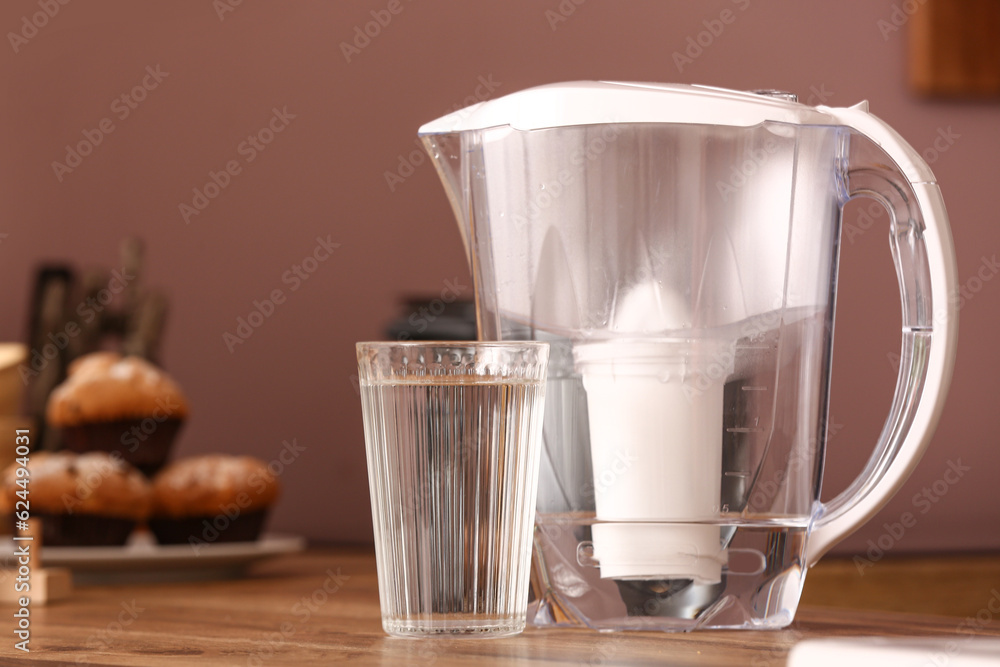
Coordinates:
[321,607]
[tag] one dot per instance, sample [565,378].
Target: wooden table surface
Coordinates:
[321,607]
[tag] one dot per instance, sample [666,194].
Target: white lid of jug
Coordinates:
[609,102]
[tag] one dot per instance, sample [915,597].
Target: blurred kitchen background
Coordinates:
[316,122]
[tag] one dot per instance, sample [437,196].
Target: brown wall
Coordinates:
[323,176]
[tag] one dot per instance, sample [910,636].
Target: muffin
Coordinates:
[212,498]
[6,511]
[119,404]
[92,499]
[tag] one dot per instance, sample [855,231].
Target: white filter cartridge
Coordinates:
[656,409]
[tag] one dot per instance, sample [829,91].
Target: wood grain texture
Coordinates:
[954,46]
[947,585]
[321,608]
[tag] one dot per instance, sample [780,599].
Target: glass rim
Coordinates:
[385,344]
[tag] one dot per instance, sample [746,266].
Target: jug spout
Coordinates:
[445,151]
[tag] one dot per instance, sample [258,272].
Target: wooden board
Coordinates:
[954,46]
[321,607]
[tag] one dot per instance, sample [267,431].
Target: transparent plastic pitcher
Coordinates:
[677,246]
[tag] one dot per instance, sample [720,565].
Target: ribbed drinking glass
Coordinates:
[453,434]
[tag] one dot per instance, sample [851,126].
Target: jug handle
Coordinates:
[924,255]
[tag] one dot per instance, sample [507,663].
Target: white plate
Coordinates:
[142,559]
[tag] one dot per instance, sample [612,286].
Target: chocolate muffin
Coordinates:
[119,404]
[212,498]
[92,499]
